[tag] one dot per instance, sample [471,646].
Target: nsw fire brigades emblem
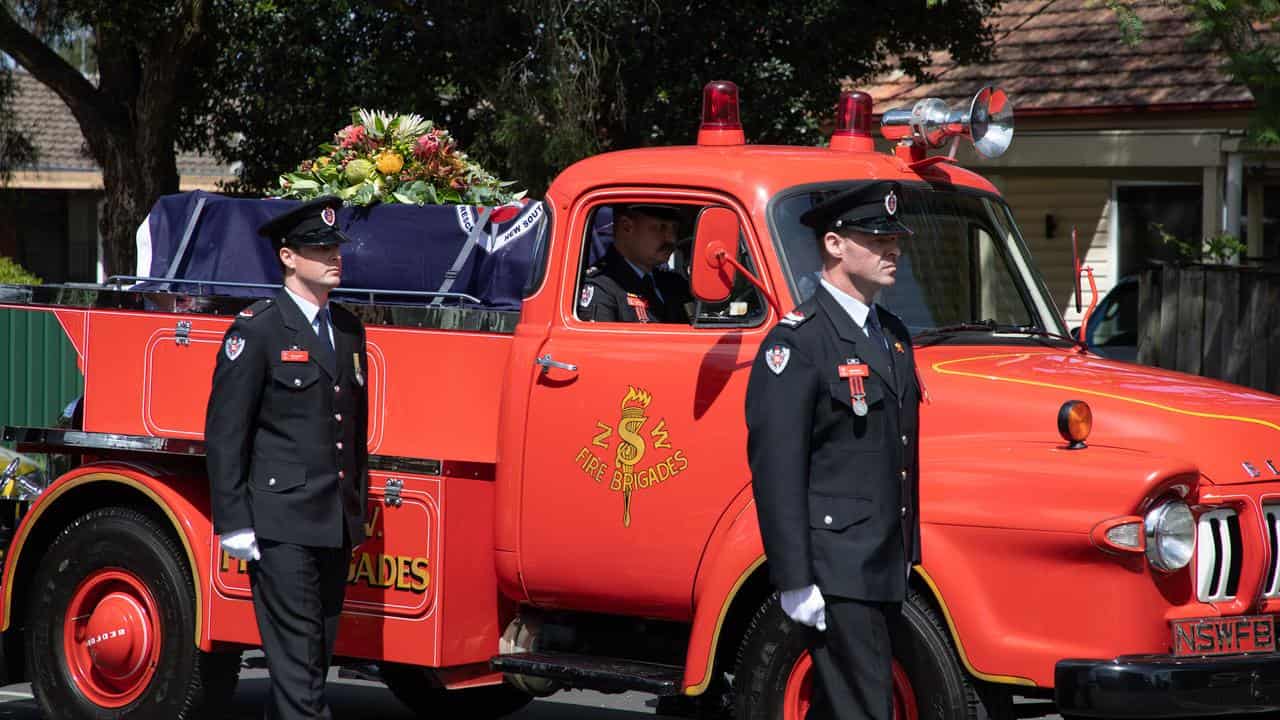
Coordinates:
[891,203]
[642,458]
[234,346]
[328,216]
[777,358]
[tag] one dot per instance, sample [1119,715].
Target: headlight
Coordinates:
[1171,535]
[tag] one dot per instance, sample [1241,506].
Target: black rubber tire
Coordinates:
[943,689]
[188,683]
[415,687]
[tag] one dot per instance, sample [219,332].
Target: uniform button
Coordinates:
[905,440]
[341,474]
[903,474]
[827,519]
[338,389]
[271,481]
[337,416]
[297,382]
[339,446]
[904,511]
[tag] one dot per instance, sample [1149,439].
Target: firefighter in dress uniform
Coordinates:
[287,454]
[631,283]
[832,415]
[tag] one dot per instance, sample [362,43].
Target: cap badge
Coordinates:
[891,203]
[328,216]
[588,292]
[777,358]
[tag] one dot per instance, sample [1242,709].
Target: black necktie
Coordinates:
[876,334]
[322,329]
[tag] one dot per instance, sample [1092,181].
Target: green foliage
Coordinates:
[11,273]
[1243,30]
[1219,249]
[16,148]
[610,74]
[528,87]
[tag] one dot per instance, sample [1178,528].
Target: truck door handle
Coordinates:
[546,363]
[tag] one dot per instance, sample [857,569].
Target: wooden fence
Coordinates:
[1220,321]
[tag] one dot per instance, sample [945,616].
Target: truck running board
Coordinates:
[595,673]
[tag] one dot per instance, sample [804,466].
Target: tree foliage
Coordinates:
[129,116]
[1247,32]
[611,74]
[526,87]
[16,149]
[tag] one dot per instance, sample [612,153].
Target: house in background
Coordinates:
[49,212]
[1117,141]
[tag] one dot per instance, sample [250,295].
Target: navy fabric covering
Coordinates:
[393,247]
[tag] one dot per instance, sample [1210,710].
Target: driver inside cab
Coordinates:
[632,282]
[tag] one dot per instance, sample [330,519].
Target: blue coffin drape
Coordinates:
[206,236]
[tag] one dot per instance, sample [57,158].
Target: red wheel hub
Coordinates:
[111,637]
[796,699]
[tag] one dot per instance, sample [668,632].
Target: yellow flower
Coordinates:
[322,161]
[390,163]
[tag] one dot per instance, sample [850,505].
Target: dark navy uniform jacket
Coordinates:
[612,289]
[287,440]
[836,494]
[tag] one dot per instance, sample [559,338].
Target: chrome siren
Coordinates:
[987,122]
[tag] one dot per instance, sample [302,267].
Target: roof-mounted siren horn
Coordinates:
[720,123]
[853,122]
[987,121]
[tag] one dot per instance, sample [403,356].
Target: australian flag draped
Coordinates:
[486,253]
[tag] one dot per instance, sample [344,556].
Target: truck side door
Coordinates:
[632,457]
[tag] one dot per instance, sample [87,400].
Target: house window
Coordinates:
[1148,214]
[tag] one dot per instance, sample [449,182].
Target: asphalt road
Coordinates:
[362,700]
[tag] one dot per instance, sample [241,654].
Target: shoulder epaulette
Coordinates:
[795,318]
[255,309]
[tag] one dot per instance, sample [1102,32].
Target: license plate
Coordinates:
[1224,635]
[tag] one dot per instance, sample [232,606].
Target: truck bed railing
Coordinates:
[119,282]
[67,440]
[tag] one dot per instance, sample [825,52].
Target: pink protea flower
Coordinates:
[426,145]
[351,135]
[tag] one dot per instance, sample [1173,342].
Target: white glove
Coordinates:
[805,606]
[241,544]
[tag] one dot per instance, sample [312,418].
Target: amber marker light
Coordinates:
[1075,421]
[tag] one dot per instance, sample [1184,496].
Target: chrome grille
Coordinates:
[1218,558]
[1271,581]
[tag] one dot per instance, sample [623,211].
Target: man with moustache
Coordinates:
[832,417]
[287,454]
[631,283]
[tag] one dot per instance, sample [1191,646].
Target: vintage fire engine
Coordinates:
[563,504]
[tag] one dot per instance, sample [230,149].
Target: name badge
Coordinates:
[294,356]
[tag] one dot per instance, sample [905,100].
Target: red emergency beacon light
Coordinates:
[853,123]
[720,123]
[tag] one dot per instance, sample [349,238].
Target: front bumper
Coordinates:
[1162,686]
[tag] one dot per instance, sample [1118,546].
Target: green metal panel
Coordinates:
[38,371]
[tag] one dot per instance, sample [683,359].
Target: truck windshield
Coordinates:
[966,269]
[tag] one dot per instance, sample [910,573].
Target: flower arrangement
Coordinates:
[388,158]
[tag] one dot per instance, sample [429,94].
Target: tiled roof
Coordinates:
[1052,55]
[48,122]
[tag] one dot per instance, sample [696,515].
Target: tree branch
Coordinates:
[46,66]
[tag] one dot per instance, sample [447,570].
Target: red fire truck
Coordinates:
[557,503]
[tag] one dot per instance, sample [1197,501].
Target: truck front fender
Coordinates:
[182,500]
